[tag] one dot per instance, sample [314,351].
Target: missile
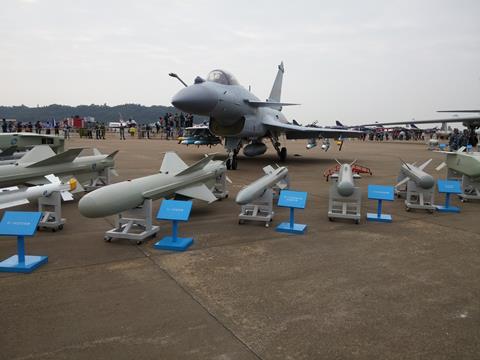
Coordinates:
[467,163]
[416,174]
[311,143]
[256,189]
[345,183]
[13,196]
[175,178]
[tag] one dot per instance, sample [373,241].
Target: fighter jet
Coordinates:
[242,118]
[41,160]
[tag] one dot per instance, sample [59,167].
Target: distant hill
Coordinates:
[103,113]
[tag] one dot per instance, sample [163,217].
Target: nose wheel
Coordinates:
[282,154]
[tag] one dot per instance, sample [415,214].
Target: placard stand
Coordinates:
[21,224]
[175,211]
[448,187]
[380,193]
[293,200]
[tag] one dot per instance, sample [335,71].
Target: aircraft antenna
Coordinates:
[178,77]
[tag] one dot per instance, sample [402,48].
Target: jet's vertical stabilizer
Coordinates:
[276,92]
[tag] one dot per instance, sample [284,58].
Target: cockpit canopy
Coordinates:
[222,77]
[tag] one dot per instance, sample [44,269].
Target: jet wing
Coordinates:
[305,132]
[268,103]
[433,121]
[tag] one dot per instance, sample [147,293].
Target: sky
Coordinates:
[353,61]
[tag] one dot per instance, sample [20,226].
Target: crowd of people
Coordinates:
[457,139]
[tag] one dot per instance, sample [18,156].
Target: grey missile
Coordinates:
[345,184]
[41,160]
[416,174]
[253,191]
[175,178]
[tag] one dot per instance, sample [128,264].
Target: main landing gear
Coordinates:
[232,161]
[281,151]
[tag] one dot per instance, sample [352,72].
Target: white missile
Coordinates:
[416,174]
[256,189]
[345,183]
[175,178]
[14,196]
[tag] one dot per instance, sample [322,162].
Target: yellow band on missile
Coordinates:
[73,184]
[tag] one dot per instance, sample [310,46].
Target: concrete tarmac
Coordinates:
[405,290]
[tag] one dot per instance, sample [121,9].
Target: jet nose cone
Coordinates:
[195,99]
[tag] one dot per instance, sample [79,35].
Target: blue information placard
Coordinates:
[174,210]
[381,192]
[449,186]
[292,199]
[19,223]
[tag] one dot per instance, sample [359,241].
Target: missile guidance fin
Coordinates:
[196,166]
[441,166]
[14,203]
[424,165]
[172,163]
[200,192]
[96,151]
[65,157]
[38,153]
[404,181]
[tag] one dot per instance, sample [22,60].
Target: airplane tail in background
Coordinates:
[444,126]
[276,92]
[338,123]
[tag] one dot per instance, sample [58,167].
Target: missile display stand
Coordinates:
[103,178]
[470,189]
[417,198]
[380,193]
[135,224]
[292,200]
[51,209]
[344,207]
[448,187]
[260,210]
[175,211]
[220,188]
[20,224]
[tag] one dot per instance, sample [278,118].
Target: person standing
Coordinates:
[454,140]
[122,130]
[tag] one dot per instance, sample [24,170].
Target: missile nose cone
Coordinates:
[88,207]
[426,182]
[242,198]
[196,99]
[345,188]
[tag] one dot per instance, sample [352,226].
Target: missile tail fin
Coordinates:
[200,192]
[404,181]
[197,166]
[14,203]
[65,157]
[172,163]
[38,153]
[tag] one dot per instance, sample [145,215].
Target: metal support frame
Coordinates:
[103,178]
[51,209]
[417,198]
[259,210]
[344,207]
[220,188]
[135,224]
[470,188]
